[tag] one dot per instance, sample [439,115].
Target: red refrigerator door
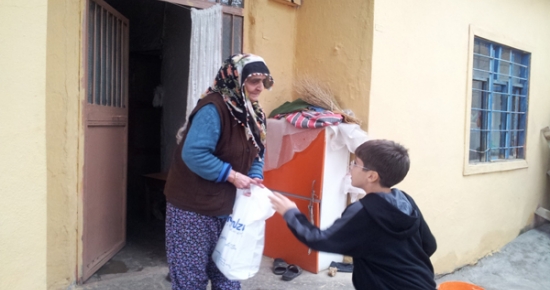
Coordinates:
[281,243]
[302,179]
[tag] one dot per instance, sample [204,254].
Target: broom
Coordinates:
[320,95]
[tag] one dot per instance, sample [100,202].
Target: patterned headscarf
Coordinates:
[229,83]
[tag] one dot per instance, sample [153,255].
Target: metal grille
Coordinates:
[107,40]
[234,3]
[499,102]
[232,35]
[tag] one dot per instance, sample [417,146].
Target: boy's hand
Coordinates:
[281,203]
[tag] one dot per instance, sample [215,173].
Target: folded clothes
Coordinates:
[290,107]
[342,267]
[311,119]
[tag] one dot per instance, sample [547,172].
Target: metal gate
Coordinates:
[105,136]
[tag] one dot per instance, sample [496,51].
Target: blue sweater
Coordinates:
[200,145]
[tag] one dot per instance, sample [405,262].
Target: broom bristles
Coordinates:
[320,95]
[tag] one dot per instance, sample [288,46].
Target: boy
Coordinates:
[384,232]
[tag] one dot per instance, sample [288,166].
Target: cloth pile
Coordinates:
[306,116]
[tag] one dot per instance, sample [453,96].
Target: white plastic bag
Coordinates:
[238,253]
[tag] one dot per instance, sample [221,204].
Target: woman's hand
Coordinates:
[243,181]
[259,182]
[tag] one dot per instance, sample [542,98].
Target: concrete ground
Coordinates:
[523,264]
[155,278]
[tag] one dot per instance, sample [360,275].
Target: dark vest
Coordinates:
[187,190]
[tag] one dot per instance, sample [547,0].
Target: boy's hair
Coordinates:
[386,157]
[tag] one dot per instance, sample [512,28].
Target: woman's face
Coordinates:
[254,85]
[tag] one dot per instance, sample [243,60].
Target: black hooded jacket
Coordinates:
[390,249]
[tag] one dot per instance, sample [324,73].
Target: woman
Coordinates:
[221,150]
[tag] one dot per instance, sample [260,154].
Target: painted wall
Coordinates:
[418,97]
[309,40]
[410,85]
[334,46]
[270,31]
[23,168]
[63,123]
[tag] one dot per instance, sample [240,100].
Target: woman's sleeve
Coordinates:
[200,145]
[257,169]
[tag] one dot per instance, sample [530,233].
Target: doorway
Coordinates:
[154,72]
[158,67]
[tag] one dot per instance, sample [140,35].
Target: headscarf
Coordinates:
[229,83]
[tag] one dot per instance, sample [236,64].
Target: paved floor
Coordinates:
[523,264]
[154,278]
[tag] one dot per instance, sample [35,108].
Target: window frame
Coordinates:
[203,4]
[232,35]
[500,164]
[232,11]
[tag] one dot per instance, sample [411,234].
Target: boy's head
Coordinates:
[389,159]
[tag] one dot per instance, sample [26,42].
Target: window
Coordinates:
[232,35]
[500,83]
[234,3]
[232,22]
[107,43]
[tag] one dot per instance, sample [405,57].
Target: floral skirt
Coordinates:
[190,241]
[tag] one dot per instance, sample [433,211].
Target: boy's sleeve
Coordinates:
[343,237]
[428,240]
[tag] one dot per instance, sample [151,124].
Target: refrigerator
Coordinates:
[313,180]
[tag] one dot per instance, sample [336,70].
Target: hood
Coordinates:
[391,219]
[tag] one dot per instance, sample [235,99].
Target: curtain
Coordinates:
[205,53]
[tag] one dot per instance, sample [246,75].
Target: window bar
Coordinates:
[102,57]
[487,148]
[113,63]
[504,60]
[105,60]
[117,66]
[120,70]
[91,66]
[483,125]
[113,71]
[488,71]
[241,33]
[125,42]
[109,53]
[232,29]
[522,122]
[122,79]
[501,140]
[97,64]
[509,98]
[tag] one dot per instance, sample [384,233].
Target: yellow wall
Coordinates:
[403,71]
[334,47]
[329,41]
[23,144]
[63,62]
[418,97]
[270,32]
